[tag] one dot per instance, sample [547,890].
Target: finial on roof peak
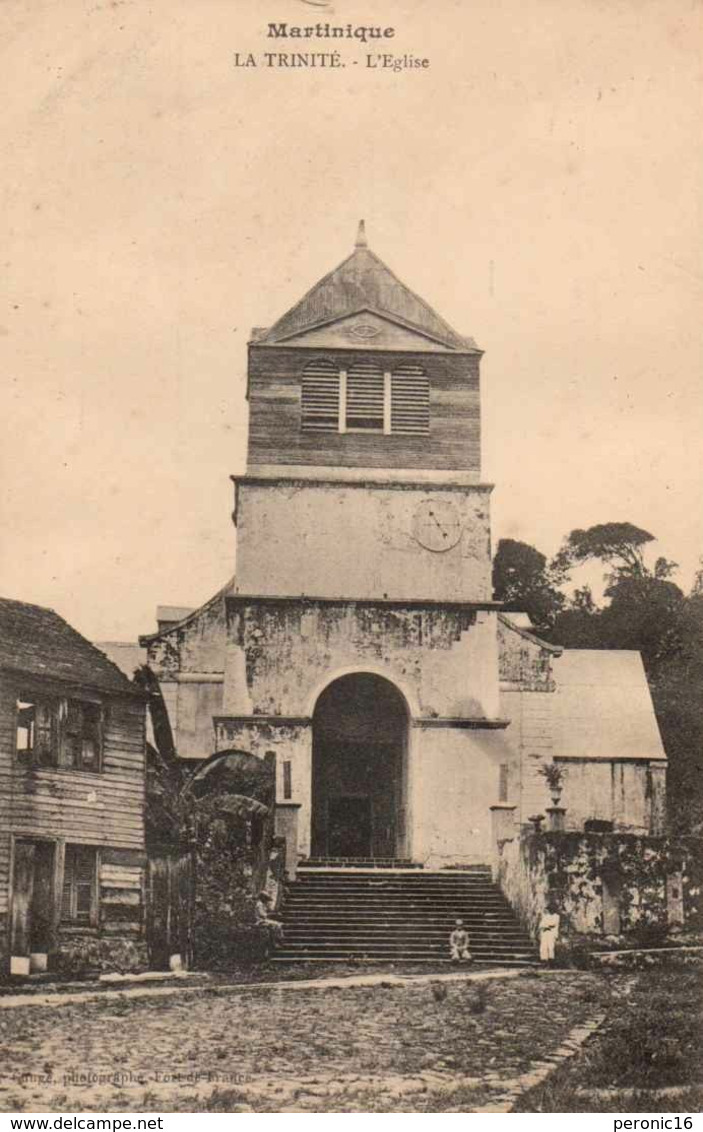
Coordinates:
[361,236]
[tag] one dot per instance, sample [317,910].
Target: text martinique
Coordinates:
[329,31]
[330,59]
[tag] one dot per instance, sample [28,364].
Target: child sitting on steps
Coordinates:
[459,944]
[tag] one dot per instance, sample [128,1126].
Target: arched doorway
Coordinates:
[359,775]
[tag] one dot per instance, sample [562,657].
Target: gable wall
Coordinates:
[189,661]
[615,787]
[384,335]
[275,436]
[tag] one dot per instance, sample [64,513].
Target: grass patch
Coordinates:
[652,1040]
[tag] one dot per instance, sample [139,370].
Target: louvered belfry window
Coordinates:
[410,400]
[365,397]
[320,397]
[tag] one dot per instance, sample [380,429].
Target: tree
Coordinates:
[646,614]
[619,545]
[524,581]
[677,691]
[578,626]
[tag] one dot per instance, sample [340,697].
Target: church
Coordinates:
[411,719]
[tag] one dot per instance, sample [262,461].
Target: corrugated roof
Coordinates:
[603,706]
[363,283]
[37,642]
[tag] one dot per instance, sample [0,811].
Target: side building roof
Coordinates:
[603,706]
[36,641]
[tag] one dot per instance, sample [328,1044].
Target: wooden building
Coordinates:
[72,794]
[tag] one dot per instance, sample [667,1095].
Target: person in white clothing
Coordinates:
[548,933]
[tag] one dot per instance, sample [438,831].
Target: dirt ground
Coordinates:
[415,1048]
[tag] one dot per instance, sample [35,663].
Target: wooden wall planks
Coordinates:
[275,435]
[103,809]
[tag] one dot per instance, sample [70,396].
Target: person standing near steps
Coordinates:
[548,933]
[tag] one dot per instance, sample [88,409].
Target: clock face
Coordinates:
[437,524]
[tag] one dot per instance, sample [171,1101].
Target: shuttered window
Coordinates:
[320,397]
[81,734]
[365,397]
[36,732]
[410,400]
[61,732]
[80,884]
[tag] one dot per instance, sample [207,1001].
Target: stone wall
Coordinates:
[521,871]
[612,886]
[189,661]
[291,742]
[81,953]
[454,777]
[281,654]
[360,540]
[526,699]
[524,662]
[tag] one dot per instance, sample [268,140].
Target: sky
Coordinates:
[539,183]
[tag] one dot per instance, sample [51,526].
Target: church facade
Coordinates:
[359,641]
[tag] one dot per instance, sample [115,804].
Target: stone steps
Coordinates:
[358,862]
[283,956]
[375,885]
[433,923]
[400,915]
[401,955]
[402,948]
[440,904]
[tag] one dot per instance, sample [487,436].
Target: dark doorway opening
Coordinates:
[360,728]
[33,898]
[349,827]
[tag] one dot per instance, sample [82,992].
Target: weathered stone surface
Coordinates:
[606,886]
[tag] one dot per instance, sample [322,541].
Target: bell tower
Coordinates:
[363,475]
[361,630]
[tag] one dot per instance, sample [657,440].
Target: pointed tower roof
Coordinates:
[362,282]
